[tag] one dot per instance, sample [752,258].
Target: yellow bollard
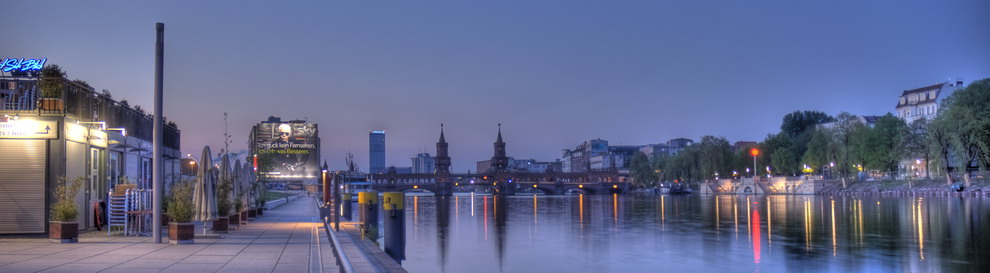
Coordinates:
[368,205]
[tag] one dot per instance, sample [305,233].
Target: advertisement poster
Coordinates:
[293,150]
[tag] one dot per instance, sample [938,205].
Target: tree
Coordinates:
[969,111]
[642,170]
[82,82]
[819,152]
[939,145]
[780,153]
[847,127]
[784,161]
[714,156]
[914,142]
[799,122]
[51,81]
[878,146]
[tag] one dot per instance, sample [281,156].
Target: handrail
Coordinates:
[342,261]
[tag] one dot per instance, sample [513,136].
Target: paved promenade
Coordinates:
[285,239]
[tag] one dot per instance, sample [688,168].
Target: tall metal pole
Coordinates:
[157,139]
[754,167]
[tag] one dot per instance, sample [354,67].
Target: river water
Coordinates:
[625,233]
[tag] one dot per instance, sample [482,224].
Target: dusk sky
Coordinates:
[554,73]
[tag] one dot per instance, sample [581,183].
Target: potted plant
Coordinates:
[180,210]
[242,211]
[52,84]
[260,200]
[63,228]
[234,220]
[220,225]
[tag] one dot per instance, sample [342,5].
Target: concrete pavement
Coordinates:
[285,239]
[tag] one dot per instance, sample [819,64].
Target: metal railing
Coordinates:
[338,252]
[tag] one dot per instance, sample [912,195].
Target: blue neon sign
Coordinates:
[22,64]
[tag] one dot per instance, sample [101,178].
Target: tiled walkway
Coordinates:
[285,239]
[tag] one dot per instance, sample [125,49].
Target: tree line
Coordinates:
[955,142]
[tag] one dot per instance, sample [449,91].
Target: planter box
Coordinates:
[261,211]
[51,104]
[244,217]
[180,233]
[234,221]
[220,225]
[63,232]
[252,213]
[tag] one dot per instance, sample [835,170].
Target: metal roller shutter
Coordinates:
[22,186]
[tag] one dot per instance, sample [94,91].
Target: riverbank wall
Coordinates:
[921,188]
[833,187]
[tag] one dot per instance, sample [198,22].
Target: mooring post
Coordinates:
[345,206]
[394,221]
[368,205]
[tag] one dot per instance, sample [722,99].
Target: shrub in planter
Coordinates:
[259,199]
[242,213]
[180,210]
[221,224]
[235,216]
[52,77]
[62,227]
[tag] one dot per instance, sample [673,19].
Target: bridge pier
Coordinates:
[444,189]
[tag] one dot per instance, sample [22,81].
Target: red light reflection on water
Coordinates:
[756,236]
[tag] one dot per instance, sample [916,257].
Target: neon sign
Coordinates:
[22,64]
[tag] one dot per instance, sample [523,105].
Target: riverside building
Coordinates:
[67,129]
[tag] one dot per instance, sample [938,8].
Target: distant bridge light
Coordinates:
[615,186]
[534,186]
[415,186]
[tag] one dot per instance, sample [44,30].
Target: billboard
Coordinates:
[287,151]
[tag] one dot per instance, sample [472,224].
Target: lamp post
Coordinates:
[755,152]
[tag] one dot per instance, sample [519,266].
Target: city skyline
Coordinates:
[553,74]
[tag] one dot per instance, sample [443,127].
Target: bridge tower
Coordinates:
[500,164]
[500,161]
[442,167]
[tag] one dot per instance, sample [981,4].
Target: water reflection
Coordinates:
[621,233]
[756,237]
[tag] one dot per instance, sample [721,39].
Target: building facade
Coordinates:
[53,129]
[923,102]
[376,151]
[678,144]
[423,163]
[286,151]
[917,104]
[578,160]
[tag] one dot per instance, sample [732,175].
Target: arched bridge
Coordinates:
[505,183]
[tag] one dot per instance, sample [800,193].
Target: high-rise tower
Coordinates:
[376,151]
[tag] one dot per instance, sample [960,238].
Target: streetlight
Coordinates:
[192,163]
[755,152]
